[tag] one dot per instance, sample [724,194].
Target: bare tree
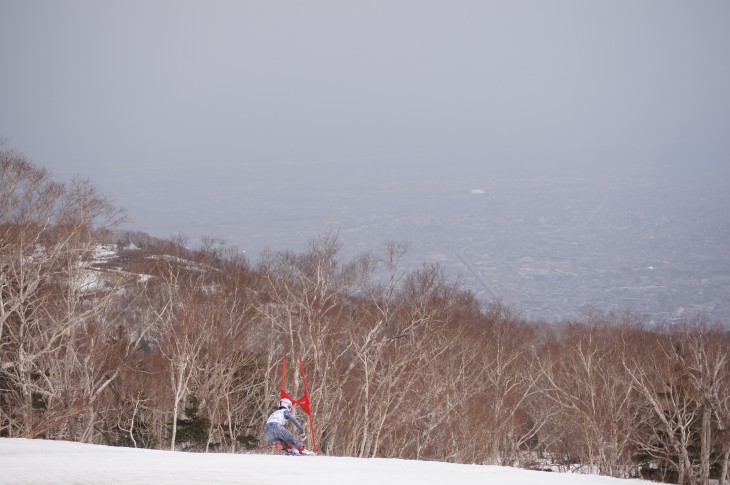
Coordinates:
[583,377]
[179,308]
[229,381]
[505,387]
[707,361]
[396,355]
[48,234]
[658,368]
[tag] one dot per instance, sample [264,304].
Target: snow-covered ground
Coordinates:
[59,462]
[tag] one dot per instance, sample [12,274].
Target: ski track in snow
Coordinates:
[40,462]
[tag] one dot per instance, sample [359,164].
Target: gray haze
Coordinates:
[403,85]
[551,151]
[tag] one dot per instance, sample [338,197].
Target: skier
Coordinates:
[274,430]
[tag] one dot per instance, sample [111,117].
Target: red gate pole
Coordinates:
[305,400]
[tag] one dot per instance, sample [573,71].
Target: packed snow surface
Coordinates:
[60,462]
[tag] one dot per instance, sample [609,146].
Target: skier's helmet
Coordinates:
[285,403]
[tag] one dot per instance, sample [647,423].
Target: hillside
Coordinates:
[151,344]
[58,463]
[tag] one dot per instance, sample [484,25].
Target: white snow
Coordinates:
[102,252]
[39,462]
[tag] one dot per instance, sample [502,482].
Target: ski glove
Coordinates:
[303,436]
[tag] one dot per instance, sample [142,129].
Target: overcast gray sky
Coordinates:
[404,85]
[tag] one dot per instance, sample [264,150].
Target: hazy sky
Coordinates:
[403,85]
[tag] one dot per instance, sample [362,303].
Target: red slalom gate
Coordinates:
[302,401]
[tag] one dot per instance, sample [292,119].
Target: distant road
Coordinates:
[474,271]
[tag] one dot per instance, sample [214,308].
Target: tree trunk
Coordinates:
[366,411]
[723,472]
[706,444]
[680,472]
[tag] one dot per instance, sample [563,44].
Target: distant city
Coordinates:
[551,248]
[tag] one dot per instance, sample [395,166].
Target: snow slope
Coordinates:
[59,462]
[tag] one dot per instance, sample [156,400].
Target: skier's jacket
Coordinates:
[281,416]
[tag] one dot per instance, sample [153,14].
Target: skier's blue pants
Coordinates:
[276,432]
